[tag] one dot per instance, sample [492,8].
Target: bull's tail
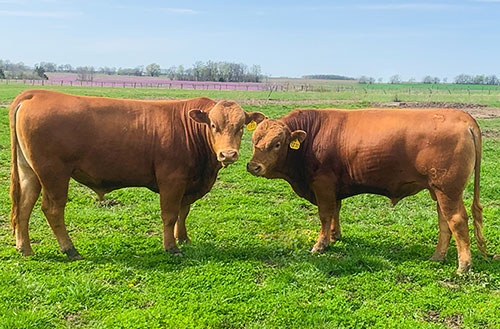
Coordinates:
[477,209]
[15,184]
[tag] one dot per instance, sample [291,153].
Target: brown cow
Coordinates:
[173,147]
[328,155]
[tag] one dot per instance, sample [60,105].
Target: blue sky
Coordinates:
[287,38]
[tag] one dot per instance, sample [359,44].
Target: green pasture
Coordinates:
[248,265]
[475,94]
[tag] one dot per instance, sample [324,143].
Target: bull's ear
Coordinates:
[299,135]
[199,116]
[258,117]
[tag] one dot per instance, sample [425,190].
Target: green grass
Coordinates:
[249,263]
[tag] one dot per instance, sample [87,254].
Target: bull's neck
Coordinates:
[301,164]
[208,140]
[200,141]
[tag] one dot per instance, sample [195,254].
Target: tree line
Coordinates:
[206,71]
[327,77]
[462,79]
[200,71]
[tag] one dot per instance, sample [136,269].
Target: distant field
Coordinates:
[249,264]
[485,95]
[309,81]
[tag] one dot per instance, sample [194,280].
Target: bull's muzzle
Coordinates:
[227,157]
[254,168]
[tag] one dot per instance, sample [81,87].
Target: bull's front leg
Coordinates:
[327,207]
[170,202]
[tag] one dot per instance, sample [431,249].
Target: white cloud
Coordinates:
[405,6]
[47,14]
[180,10]
[25,2]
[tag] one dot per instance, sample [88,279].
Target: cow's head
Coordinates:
[272,140]
[226,122]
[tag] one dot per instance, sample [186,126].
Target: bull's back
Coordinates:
[399,152]
[102,141]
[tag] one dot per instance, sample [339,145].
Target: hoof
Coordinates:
[464,268]
[184,240]
[26,251]
[440,258]
[336,237]
[318,248]
[175,252]
[72,254]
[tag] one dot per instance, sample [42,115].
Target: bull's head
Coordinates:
[272,140]
[226,122]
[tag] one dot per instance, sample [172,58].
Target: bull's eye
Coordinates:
[213,126]
[277,145]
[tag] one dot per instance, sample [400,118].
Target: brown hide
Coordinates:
[390,152]
[173,147]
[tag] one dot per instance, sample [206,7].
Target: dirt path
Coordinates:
[478,111]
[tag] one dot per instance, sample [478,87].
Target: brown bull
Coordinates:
[172,147]
[329,155]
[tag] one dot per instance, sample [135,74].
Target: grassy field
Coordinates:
[249,263]
[485,95]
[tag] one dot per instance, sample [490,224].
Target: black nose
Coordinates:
[228,155]
[253,167]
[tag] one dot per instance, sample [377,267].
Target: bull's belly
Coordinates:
[394,192]
[103,184]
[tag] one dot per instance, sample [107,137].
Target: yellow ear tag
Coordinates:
[295,144]
[252,125]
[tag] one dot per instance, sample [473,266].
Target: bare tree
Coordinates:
[40,71]
[366,80]
[427,79]
[85,73]
[153,70]
[395,79]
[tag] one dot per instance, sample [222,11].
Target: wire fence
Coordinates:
[358,89]
[139,84]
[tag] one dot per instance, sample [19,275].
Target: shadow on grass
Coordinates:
[350,256]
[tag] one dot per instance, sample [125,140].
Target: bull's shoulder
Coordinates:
[308,113]
[200,102]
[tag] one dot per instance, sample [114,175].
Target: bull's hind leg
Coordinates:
[444,238]
[30,191]
[454,212]
[54,197]
[335,226]
[180,231]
